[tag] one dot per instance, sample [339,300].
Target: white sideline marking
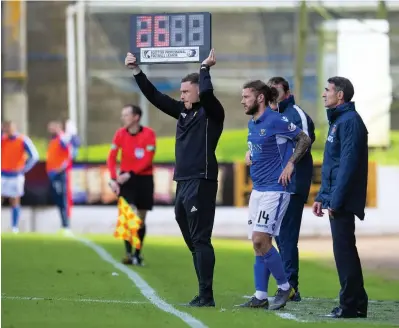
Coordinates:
[289,316]
[142,285]
[84,300]
[327,299]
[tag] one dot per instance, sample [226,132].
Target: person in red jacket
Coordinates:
[135,180]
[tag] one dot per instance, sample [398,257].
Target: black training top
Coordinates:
[198,129]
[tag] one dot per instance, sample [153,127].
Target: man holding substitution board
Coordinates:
[200,118]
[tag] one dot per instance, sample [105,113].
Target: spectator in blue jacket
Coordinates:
[343,192]
[287,241]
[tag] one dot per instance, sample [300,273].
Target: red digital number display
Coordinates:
[169,31]
[161,34]
[144,31]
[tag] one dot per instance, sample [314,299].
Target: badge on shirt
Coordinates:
[139,153]
[262,132]
[150,147]
[291,127]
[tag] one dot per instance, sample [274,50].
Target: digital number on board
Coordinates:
[171,38]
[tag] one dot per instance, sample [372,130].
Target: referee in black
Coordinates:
[200,118]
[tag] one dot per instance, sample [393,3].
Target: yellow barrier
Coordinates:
[243,184]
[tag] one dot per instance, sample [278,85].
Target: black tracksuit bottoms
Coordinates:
[353,296]
[195,213]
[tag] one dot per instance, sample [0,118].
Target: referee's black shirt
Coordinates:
[198,129]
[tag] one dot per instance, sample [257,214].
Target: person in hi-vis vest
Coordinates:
[58,165]
[18,156]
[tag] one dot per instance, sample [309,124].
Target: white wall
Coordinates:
[229,222]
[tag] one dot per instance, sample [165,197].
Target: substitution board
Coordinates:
[171,38]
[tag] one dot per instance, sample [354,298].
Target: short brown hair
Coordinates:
[280,80]
[260,87]
[192,77]
[136,110]
[343,84]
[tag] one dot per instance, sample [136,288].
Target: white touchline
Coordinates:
[327,299]
[289,316]
[142,285]
[84,300]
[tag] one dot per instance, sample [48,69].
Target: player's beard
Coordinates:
[253,109]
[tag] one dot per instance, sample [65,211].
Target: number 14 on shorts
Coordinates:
[266,211]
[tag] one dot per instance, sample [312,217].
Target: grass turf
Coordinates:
[65,272]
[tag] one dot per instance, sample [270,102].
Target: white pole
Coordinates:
[24,110]
[143,102]
[71,63]
[82,85]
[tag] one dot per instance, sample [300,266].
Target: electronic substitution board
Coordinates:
[171,38]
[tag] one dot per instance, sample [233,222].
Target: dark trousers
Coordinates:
[287,241]
[58,186]
[195,213]
[353,296]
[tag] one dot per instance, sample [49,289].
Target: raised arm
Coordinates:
[161,101]
[210,103]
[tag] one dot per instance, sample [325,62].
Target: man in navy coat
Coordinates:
[343,192]
[287,241]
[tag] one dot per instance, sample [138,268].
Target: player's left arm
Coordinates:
[212,106]
[33,155]
[149,153]
[210,103]
[291,131]
[351,134]
[302,142]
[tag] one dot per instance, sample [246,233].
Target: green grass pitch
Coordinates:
[54,281]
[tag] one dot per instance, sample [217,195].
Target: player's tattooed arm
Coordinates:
[303,142]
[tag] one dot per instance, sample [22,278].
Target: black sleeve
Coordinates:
[161,101]
[210,103]
[312,134]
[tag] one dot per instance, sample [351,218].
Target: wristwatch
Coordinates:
[205,66]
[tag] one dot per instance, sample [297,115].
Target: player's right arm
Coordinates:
[161,101]
[111,162]
[113,155]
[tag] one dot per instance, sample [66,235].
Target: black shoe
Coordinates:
[295,296]
[194,301]
[339,313]
[137,260]
[281,298]
[127,259]
[255,303]
[198,301]
[206,302]
[361,314]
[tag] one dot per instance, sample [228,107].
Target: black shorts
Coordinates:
[139,191]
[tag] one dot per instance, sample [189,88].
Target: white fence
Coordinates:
[230,222]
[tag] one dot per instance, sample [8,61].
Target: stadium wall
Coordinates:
[230,222]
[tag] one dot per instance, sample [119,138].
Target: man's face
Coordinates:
[249,100]
[128,118]
[53,128]
[332,98]
[9,129]
[189,94]
[281,93]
